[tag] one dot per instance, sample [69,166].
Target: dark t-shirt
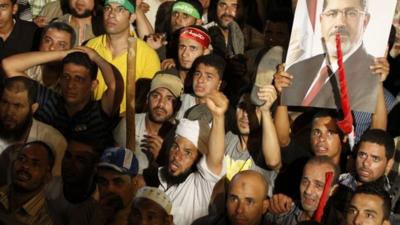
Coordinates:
[23,38]
[91,123]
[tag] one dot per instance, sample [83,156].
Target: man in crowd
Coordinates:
[17,125]
[254,145]
[117,181]
[74,113]
[56,36]
[247,186]
[310,76]
[151,206]
[70,199]
[195,163]
[153,126]
[227,37]
[113,46]
[373,160]
[311,188]
[369,205]
[16,36]
[207,79]
[194,42]
[186,13]
[85,18]
[23,200]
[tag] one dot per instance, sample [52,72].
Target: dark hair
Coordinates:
[363,3]
[98,147]
[49,151]
[323,159]
[61,26]
[82,59]
[379,137]
[20,84]
[212,60]
[332,114]
[376,190]
[195,3]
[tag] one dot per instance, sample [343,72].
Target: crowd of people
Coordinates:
[213,142]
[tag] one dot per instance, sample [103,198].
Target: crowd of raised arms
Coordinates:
[195,127]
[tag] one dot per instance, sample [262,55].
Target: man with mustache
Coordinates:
[227,37]
[311,76]
[195,163]
[23,200]
[17,125]
[373,160]
[153,126]
[311,188]
[84,17]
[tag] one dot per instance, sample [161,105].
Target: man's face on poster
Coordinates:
[347,17]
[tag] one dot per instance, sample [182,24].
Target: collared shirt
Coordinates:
[147,63]
[33,212]
[190,199]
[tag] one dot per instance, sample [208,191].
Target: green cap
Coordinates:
[186,8]
[125,3]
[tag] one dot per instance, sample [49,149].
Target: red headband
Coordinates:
[197,35]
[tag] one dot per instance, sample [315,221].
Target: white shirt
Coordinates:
[190,199]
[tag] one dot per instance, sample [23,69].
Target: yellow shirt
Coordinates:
[147,64]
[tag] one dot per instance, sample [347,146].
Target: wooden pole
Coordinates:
[130,94]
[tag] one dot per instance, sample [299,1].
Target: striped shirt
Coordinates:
[33,212]
[91,123]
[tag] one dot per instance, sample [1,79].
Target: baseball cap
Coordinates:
[167,79]
[119,159]
[156,195]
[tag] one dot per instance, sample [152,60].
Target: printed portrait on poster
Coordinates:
[363,26]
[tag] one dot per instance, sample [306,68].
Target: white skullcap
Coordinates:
[195,131]
[156,195]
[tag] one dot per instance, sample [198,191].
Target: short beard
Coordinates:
[155,120]
[18,132]
[87,13]
[174,180]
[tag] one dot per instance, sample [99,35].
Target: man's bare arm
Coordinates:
[112,97]
[217,103]
[16,65]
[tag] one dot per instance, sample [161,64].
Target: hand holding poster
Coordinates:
[363,26]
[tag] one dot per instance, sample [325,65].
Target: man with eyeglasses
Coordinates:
[312,83]
[113,45]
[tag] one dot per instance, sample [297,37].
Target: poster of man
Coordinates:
[363,26]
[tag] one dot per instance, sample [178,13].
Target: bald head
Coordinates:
[251,179]
[247,198]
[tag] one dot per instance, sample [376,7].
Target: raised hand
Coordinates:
[217,103]
[282,79]
[381,67]
[268,95]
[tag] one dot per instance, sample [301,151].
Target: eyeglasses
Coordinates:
[349,13]
[118,10]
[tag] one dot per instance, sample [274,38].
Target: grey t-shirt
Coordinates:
[238,160]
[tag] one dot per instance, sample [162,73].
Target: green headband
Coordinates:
[124,3]
[186,8]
